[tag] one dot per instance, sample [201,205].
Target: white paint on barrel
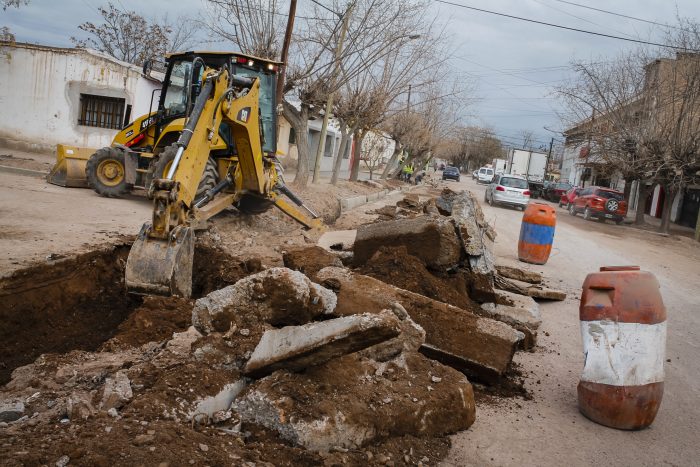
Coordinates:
[623,354]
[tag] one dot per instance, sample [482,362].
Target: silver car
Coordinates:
[508,189]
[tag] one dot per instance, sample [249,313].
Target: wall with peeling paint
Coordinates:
[40,91]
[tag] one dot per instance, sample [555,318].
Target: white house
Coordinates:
[79,97]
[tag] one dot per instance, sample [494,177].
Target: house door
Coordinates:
[690,208]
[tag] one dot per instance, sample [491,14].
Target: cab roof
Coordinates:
[209,52]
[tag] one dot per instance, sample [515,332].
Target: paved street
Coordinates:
[549,430]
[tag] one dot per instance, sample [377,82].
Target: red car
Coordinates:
[601,203]
[568,197]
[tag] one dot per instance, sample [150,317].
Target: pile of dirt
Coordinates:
[80,302]
[395,266]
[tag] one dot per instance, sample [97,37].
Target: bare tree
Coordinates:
[372,154]
[125,35]
[182,33]
[254,25]
[13,3]
[6,35]
[639,116]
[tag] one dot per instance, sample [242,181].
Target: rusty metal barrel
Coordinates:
[537,233]
[623,328]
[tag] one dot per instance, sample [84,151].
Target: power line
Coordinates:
[544,23]
[619,14]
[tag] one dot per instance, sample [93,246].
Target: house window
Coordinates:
[100,111]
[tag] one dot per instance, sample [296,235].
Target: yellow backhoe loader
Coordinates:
[137,154]
[233,108]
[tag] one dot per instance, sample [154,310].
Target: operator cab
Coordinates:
[183,81]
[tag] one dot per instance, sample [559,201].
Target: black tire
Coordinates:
[106,174]
[162,164]
[572,209]
[587,213]
[250,204]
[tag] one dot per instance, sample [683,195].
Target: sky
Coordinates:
[513,66]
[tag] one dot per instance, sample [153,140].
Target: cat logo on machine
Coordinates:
[243,115]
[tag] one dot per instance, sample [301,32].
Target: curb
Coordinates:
[347,204]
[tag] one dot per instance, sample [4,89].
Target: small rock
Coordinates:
[151,432]
[415,400]
[11,410]
[245,332]
[425,459]
[108,429]
[203,447]
[3,424]
[382,459]
[435,379]
[140,440]
[62,461]
[113,412]
[152,448]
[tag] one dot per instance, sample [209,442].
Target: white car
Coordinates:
[485,175]
[508,189]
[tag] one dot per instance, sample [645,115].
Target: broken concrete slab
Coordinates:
[433,240]
[519,318]
[220,402]
[411,338]
[11,410]
[116,391]
[337,240]
[481,347]
[297,347]
[510,272]
[336,405]
[546,293]
[278,296]
[309,259]
[519,301]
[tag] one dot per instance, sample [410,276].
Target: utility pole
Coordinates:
[549,157]
[329,103]
[279,92]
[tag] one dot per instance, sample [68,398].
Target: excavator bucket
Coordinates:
[161,266]
[69,170]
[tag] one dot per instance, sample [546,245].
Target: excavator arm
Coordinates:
[160,260]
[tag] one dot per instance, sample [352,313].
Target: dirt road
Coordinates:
[549,430]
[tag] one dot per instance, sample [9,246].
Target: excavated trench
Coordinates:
[80,302]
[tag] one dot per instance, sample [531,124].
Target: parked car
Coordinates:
[451,173]
[553,191]
[512,190]
[485,175]
[569,197]
[600,203]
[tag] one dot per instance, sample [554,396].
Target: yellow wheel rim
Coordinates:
[166,169]
[110,172]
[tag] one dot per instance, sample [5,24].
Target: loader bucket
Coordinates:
[69,170]
[161,267]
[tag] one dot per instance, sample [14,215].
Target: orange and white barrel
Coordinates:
[623,328]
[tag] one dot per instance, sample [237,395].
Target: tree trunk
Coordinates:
[644,190]
[338,162]
[358,136]
[666,213]
[398,149]
[628,190]
[299,119]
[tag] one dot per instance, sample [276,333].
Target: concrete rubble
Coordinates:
[526,288]
[481,347]
[323,357]
[278,296]
[432,240]
[297,347]
[325,408]
[519,274]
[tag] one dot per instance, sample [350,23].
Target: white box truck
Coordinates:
[499,166]
[529,164]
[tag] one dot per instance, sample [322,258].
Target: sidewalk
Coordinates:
[653,224]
